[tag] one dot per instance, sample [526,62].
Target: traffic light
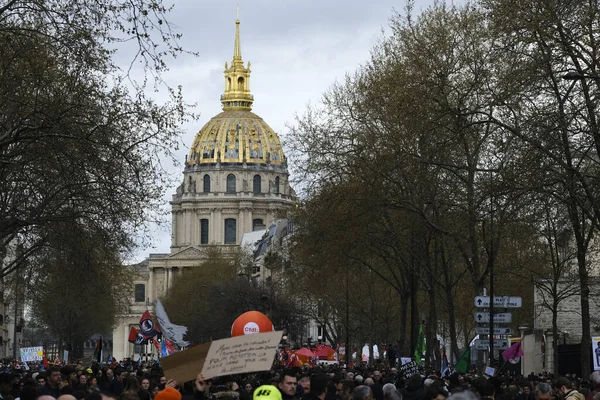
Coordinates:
[159,338]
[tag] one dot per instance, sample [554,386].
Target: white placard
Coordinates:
[29,354]
[241,354]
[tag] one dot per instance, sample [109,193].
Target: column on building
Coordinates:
[126,341]
[219,227]
[150,294]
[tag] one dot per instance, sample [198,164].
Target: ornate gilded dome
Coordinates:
[236,135]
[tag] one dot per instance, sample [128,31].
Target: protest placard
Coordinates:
[185,365]
[29,354]
[241,354]
[409,369]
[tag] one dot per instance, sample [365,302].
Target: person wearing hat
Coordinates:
[267,392]
[168,394]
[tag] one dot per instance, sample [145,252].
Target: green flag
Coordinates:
[420,348]
[464,362]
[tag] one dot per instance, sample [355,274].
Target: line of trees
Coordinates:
[80,145]
[458,148]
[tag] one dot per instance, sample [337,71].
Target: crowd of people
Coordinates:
[139,382]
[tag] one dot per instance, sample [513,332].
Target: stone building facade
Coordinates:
[235,181]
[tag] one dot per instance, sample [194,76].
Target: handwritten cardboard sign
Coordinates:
[185,365]
[241,354]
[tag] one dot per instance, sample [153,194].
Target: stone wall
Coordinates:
[569,310]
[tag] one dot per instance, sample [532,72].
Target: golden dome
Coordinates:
[236,135]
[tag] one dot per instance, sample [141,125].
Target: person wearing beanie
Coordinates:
[168,394]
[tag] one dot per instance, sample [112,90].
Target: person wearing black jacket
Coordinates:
[318,387]
[287,385]
[51,388]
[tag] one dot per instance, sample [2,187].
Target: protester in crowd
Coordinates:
[390,392]
[344,389]
[414,389]
[304,383]
[53,383]
[564,388]
[362,392]
[595,382]
[287,385]
[435,392]
[318,387]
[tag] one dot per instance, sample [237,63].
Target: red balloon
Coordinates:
[251,322]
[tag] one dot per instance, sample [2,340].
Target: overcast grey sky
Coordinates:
[297,50]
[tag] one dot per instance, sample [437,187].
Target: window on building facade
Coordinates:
[230,231]
[140,293]
[257,224]
[256,184]
[206,184]
[277,185]
[230,183]
[204,231]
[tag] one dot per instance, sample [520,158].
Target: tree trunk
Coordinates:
[555,335]
[403,323]
[431,325]
[449,300]
[586,340]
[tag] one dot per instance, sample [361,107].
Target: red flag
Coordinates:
[45,361]
[135,336]
[147,326]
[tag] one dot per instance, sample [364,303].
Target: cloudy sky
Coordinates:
[297,50]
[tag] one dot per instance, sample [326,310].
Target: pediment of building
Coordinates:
[189,253]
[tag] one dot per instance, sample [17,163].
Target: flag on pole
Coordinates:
[514,351]
[135,336]
[169,330]
[444,366]
[147,326]
[464,362]
[98,351]
[420,348]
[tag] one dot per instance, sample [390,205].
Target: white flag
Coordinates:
[170,331]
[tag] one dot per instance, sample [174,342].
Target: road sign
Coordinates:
[484,344]
[499,302]
[497,331]
[500,318]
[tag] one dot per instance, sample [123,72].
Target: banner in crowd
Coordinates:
[409,369]
[29,354]
[596,352]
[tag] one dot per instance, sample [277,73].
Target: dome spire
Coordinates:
[237,51]
[237,94]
